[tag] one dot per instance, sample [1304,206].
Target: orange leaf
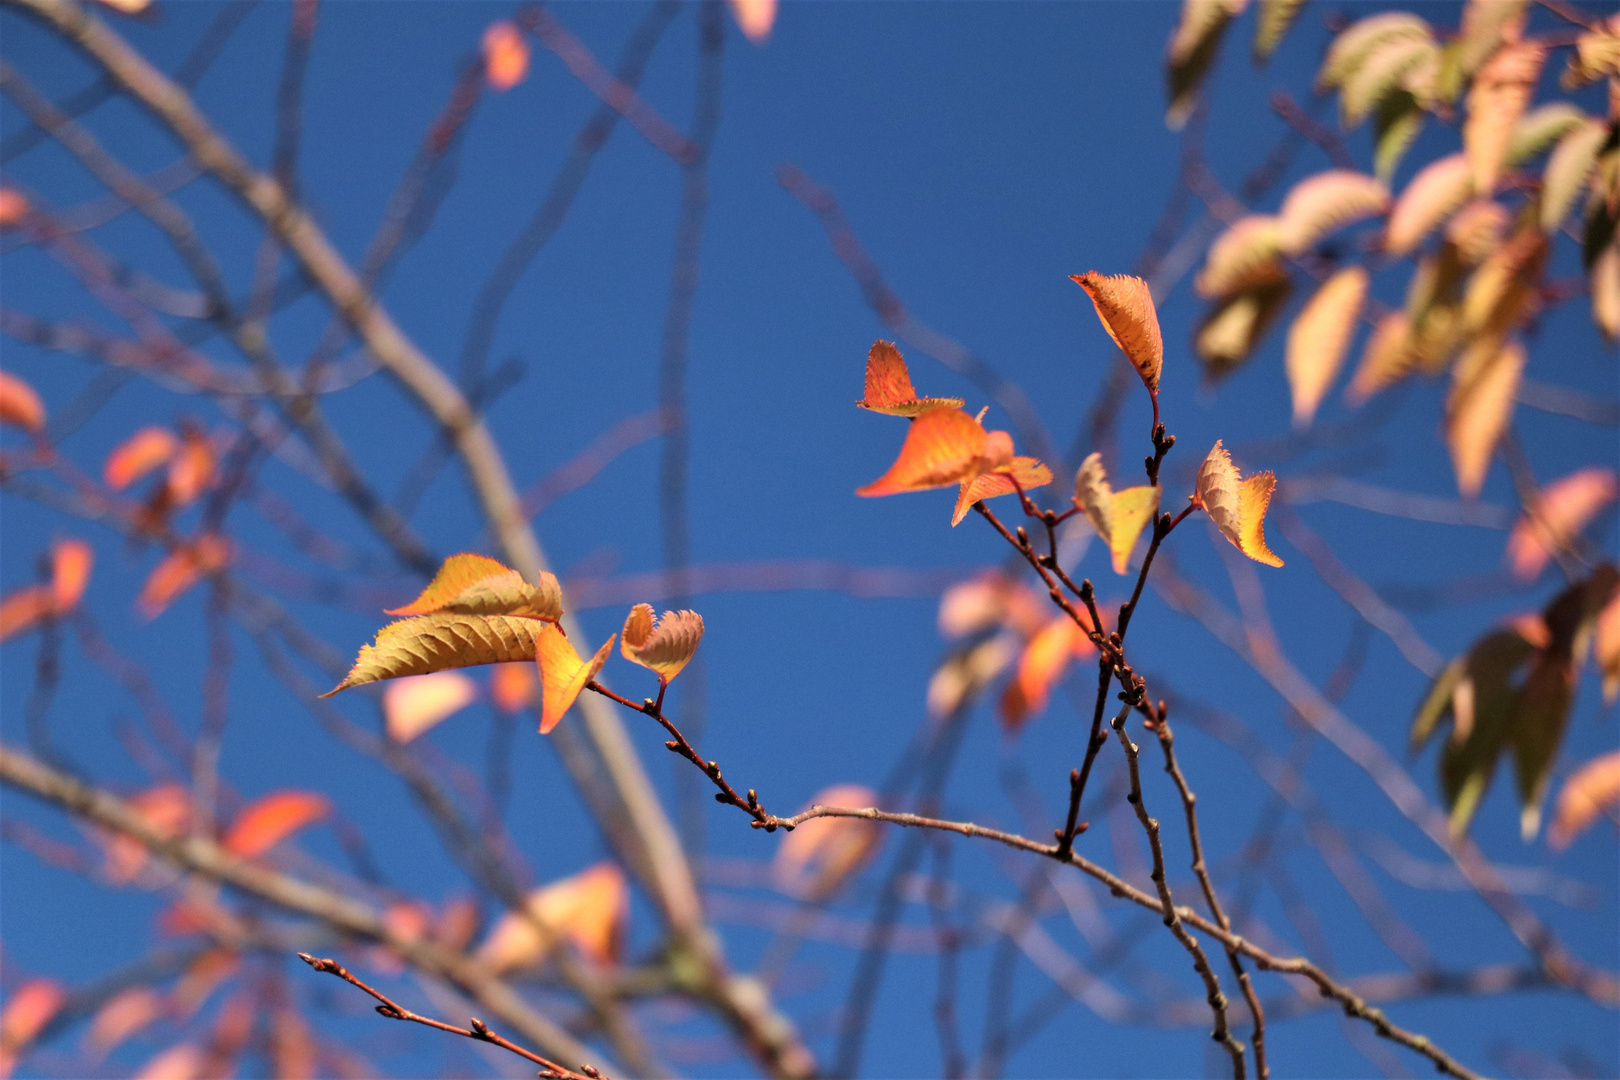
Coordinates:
[71,561]
[267,822]
[1496,100]
[1562,509]
[943,446]
[19,405]
[28,1009]
[182,1061]
[1607,647]
[664,645]
[124,1014]
[417,703]
[166,809]
[1430,198]
[191,468]
[1320,337]
[138,455]
[179,571]
[1237,506]
[823,853]
[20,610]
[1125,306]
[1478,411]
[1028,473]
[1385,361]
[1594,790]
[512,686]
[589,909]
[506,55]
[13,208]
[202,978]
[754,18]
[988,600]
[469,584]
[1041,667]
[888,385]
[562,673]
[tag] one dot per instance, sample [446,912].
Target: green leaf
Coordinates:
[1437,704]
[1395,125]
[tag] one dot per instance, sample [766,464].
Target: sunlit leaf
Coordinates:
[562,673]
[1244,255]
[1478,412]
[1496,100]
[19,405]
[266,822]
[424,643]
[1353,45]
[1486,25]
[23,608]
[1569,166]
[1385,360]
[414,705]
[138,455]
[1605,279]
[888,385]
[1593,791]
[1320,337]
[1430,198]
[589,910]
[1540,128]
[1276,16]
[1119,517]
[71,561]
[512,687]
[469,584]
[1041,667]
[1476,231]
[1234,328]
[192,467]
[1321,205]
[943,446]
[126,1013]
[819,856]
[1125,306]
[1237,506]
[506,55]
[1411,65]
[127,7]
[1596,54]
[1193,47]
[964,675]
[13,208]
[179,570]
[28,1009]
[1562,510]
[1020,474]
[989,600]
[754,18]
[664,645]
[1606,646]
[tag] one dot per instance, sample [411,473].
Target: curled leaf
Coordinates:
[1320,337]
[138,455]
[1561,510]
[562,673]
[20,405]
[1432,196]
[817,857]
[1237,506]
[943,446]
[266,822]
[1478,410]
[424,643]
[506,55]
[754,18]
[469,584]
[181,569]
[1321,205]
[1244,255]
[1125,306]
[1041,666]
[1593,791]
[663,645]
[888,385]
[421,702]
[589,910]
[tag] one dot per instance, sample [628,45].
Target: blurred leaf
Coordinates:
[1562,510]
[179,570]
[1596,54]
[266,822]
[819,856]
[71,561]
[1237,506]
[1570,165]
[1411,65]
[1477,229]
[965,674]
[1028,473]
[1385,360]
[1496,101]
[138,455]
[1234,328]
[754,18]
[1396,124]
[1478,411]
[1243,256]
[512,686]
[1486,25]
[417,704]
[1276,16]
[1321,205]
[28,1009]
[991,599]
[191,469]
[1433,195]
[124,1014]
[14,208]
[1353,45]
[182,1061]
[1540,128]
[1125,306]
[1041,666]
[589,910]
[506,55]
[1605,277]
[23,608]
[19,405]
[1594,790]
[1193,47]
[888,385]
[562,673]
[166,810]
[1320,337]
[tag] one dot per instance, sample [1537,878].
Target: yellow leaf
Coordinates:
[1354,44]
[266,822]
[1233,329]
[1570,165]
[19,405]
[1430,198]
[1245,254]
[562,673]
[1410,64]
[943,446]
[1477,413]
[138,455]
[1385,361]
[1132,510]
[1321,205]
[664,645]
[1320,337]
[1503,290]
[1562,510]
[888,385]
[1125,306]
[1021,473]
[1593,791]
[424,643]
[1486,24]
[1237,506]
[589,910]
[820,855]
[469,584]
[1496,100]
[754,18]
[1605,276]
[1606,645]
[506,55]
[419,703]
[1276,16]
[1192,50]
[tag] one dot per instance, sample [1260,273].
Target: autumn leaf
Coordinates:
[1606,645]
[888,385]
[562,673]
[1477,413]
[23,608]
[127,7]
[13,208]
[1242,256]
[182,1061]
[469,584]
[1496,100]
[1432,196]
[1570,165]
[943,446]
[512,686]
[166,810]
[124,1014]
[965,674]
[754,18]
[204,975]
[1042,666]
[1561,511]
[28,1009]
[1237,506]
[664,645]
[19,405]
[1409,65]
[1477,230]
[1320,337]
[424,643]
[1605,278]
[1276,16]
[1125,306]
[179,570]
[417,704]
[506,55]
[192,467]
[1594,790]
[1119,517]
[138,455]
[1192,50]
[1486,24]
[1353,45]
[1022,474]
[266,822]
[1596,54]
[1321,205]
[820,855]
[1233,329]
[989,600]
[588,910]
[71,561]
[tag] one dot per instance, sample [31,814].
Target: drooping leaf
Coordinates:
[28,1009]
[1237,506]
[965,674]
[943,446]
[1192,50]
[419,703]
[1354,44]
[1125,306]
[124,1014]
[1234,328]
[1320,337]
[469,584]
[888,385]
[1242,256]
[819,856]
[1496,101]
[423,643]
[512,687]
[1605,279]
[506,55]
[1478,412]
[71,561]
[1606,646]
[1403,64]
[754,18]
[181,569]
[1486,25]
[138,455]
[1569,167]
[1028,473]
[1041,667]
[266,822]
[1504,290]
[589,910]
[1321,205]
[1562,510]
[1540,128]
[563,674]
[1396,123]
[1276,16]
[1385,360]
[1430,198]
[1594,790]
[20,405]
[1596,54]
[664,645]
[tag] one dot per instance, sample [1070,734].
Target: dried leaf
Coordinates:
[562,673]
[424,643]
[71,561]
[182,1061]
[664,645]
[1562,510]
[138,455]
[19,405]
[24,608]
[1276,16]
[179,571]
[506,55]
[1606,644]
[127,1012]
[1409,64]
[417,704]
[1568,168]
[1234,328]
[943,446]
[754,18]
[1042,665]
[266,822]
[1022,473]
[13,208]
[589,910]
[1354,44]
[1478,412]
[469,584]
[1321,205]
[512,687]
[1237,506]
[1593,791]
[1244,255]
[1125,306]
[820,855]
[1320,337]
[166,809]
[1496,101]
[888,385]
[1430,198]
[28,1009]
